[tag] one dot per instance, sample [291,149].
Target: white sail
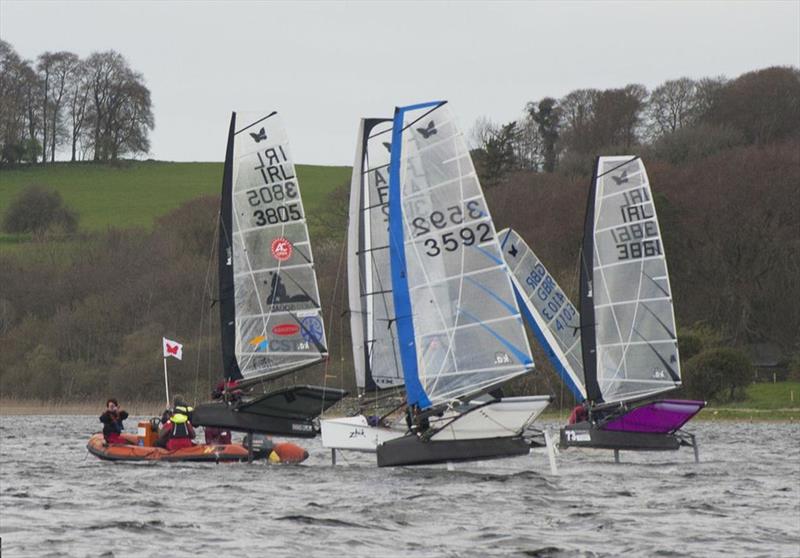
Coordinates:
[375,352]
[555,319]
[634,322]
[459,326]
[277,312]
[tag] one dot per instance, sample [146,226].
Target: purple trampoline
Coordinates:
[658,417]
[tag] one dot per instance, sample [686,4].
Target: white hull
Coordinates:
[354,433]
[497,419]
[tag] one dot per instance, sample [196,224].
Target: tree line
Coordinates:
[82,316]
[97,108]
[678,120]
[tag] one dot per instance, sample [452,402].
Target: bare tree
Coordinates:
[481,132]
[672,105]
[577,111]
[121,108]
[62,66]
[78,91]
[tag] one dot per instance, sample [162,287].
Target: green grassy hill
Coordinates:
[135,193]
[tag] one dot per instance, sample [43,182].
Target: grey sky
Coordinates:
[325,64]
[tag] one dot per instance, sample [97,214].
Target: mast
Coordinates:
[588,333]
[415,395]
[227,302]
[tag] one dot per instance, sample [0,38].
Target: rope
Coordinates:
[331,321]
[205,294]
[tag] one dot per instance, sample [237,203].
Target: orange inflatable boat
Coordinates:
[142,448]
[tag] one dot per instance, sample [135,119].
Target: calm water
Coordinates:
[741,500]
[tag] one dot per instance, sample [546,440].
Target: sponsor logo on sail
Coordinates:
[264,344]
[286,330]
[281,249]
[312,329]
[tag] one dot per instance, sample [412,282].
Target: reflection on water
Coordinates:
[742,499]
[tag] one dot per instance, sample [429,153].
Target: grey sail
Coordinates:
[633,330]
[278,326]
[375,353]
[459,327]
[552,316]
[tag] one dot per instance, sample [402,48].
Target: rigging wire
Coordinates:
[326,367]
[205,294]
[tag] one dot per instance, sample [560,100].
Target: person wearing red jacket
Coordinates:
[178,431]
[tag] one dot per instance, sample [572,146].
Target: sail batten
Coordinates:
[272,323]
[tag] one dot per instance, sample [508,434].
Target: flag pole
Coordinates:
[166,381]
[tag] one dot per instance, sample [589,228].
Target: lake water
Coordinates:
[743,499]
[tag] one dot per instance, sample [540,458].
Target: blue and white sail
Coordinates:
[373,329]
[459,328]
[272,323]
[547,309]
[630,346]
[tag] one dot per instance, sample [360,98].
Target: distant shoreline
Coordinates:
[27,407]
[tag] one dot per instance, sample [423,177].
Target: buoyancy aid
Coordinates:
[180,422]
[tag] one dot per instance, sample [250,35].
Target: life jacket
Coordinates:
[180,422]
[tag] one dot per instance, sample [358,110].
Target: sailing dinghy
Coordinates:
[269,299]
[621,350]
[376,357]
[458,327]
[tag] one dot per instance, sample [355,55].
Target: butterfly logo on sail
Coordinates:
[259,136]
[621,179]
[388,146]
[428,130]
[513,251]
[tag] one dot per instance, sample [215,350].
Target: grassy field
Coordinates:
[134,193]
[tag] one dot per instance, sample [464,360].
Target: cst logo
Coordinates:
[262,344]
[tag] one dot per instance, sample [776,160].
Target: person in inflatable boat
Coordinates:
[177,431]
[112,422]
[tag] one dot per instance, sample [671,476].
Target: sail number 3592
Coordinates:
[450,241]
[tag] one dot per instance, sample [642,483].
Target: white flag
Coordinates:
[172,349]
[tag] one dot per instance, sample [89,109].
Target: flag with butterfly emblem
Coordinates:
[172,348]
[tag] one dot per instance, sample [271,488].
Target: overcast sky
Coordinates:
[323,65]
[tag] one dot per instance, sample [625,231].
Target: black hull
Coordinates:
[285,412]
[584,435]
[224,416]
[411,450]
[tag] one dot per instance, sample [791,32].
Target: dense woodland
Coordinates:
[97,108]
[723,157]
